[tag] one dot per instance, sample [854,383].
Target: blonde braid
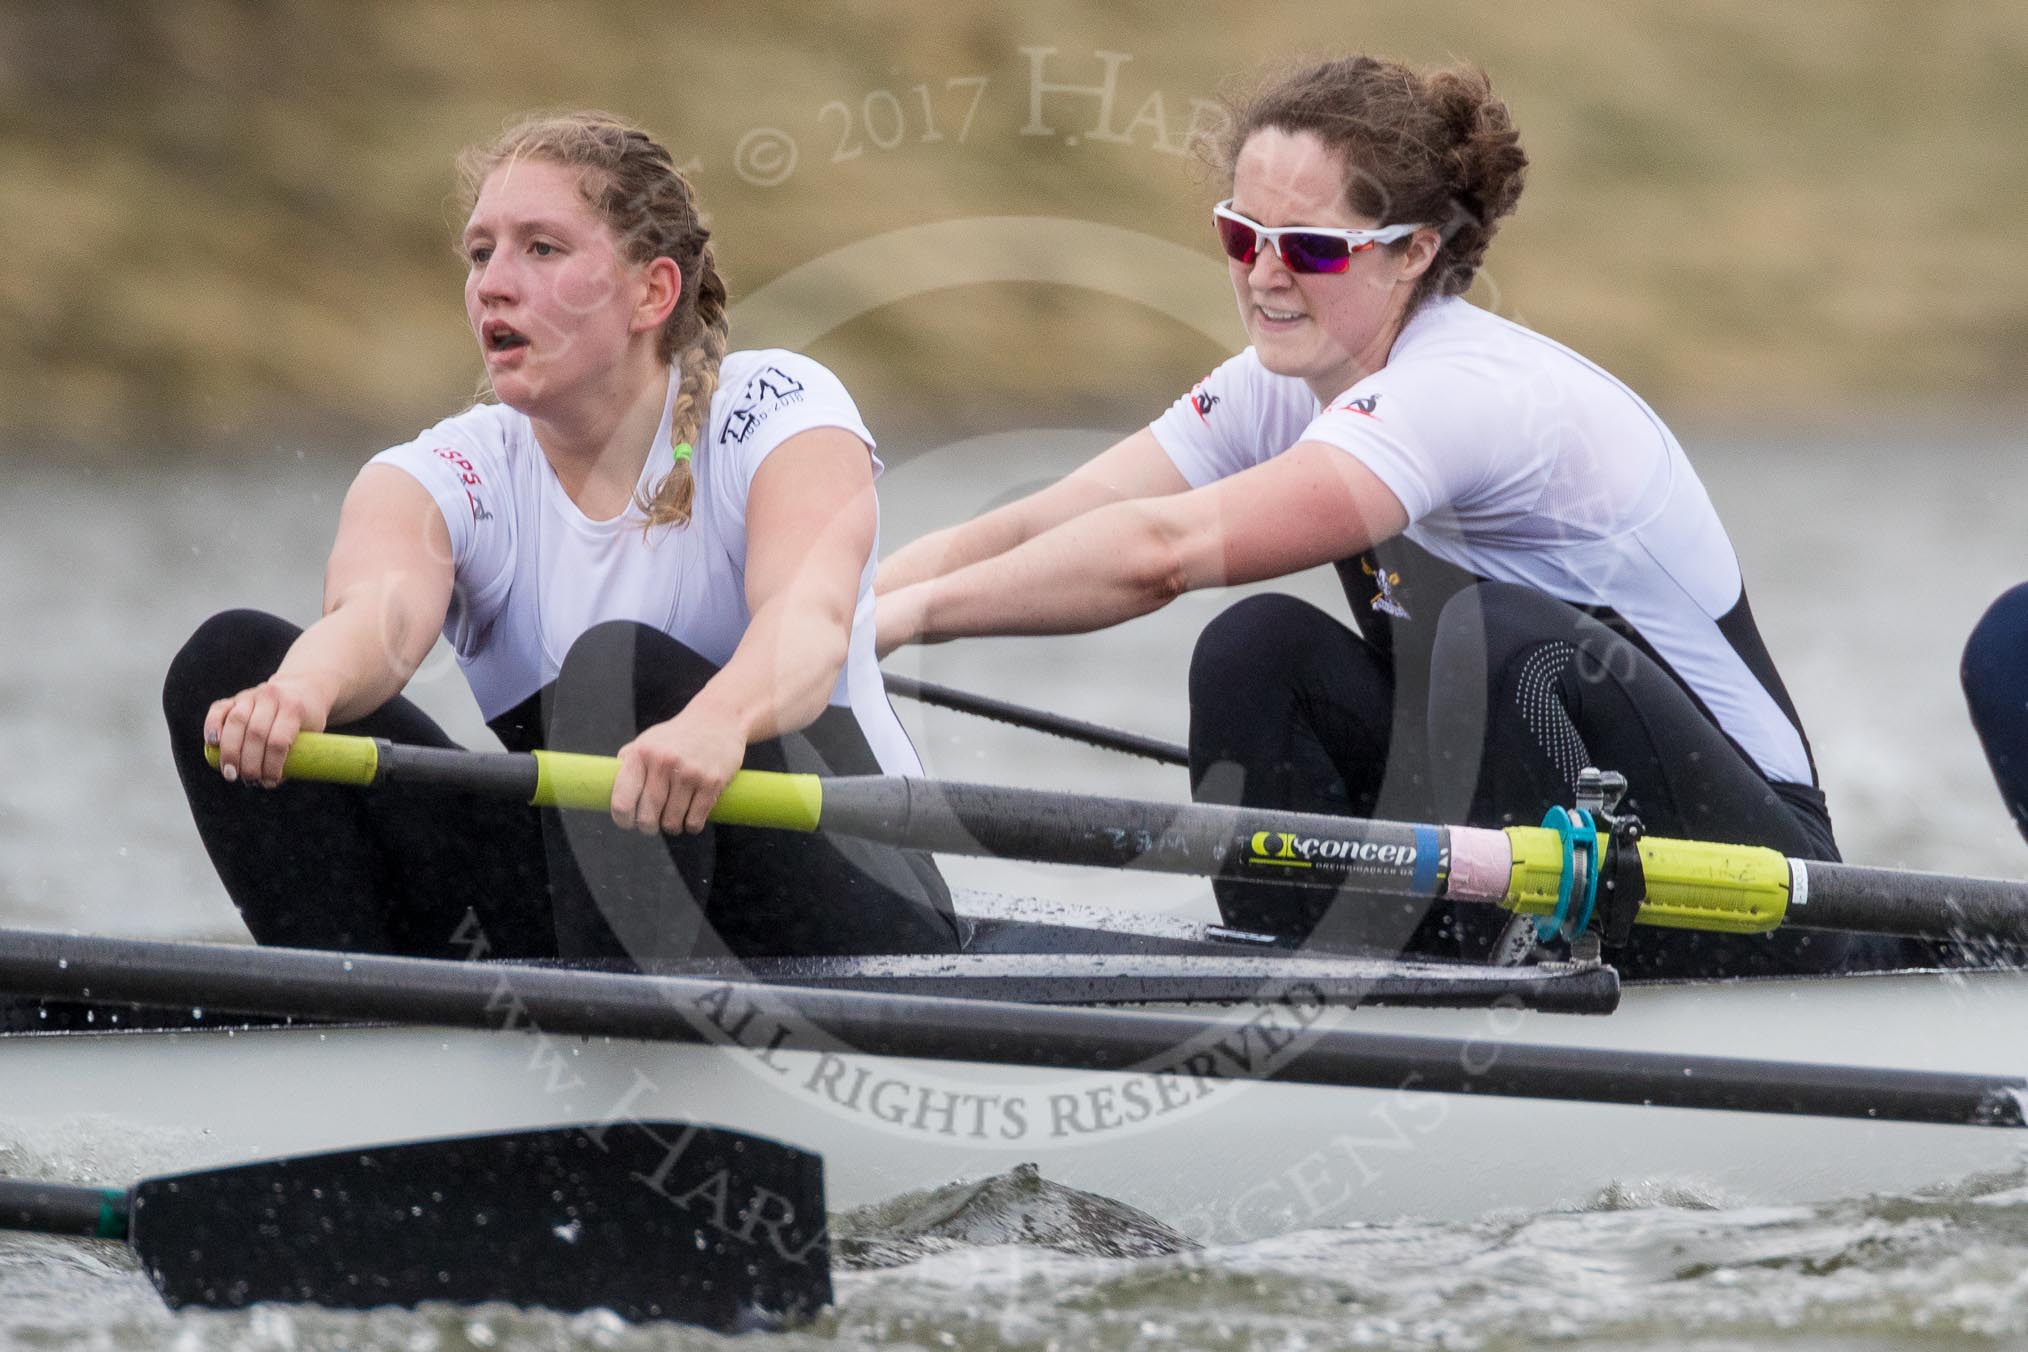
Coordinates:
[671,502]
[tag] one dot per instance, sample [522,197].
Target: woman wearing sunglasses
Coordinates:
[1537,578]
[648,546]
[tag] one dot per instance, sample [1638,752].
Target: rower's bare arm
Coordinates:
[1311,504]
[387,588]
[1134,467]
[810,524]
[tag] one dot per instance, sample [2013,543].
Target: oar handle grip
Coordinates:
[563,779]
[1690,884]
[1723,889]
[328,758]
[571,779]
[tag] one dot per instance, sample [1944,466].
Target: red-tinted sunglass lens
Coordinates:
[1239,239]
[1315,253]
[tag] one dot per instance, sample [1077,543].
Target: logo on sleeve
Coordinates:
[1364,404]
[1384,600]
[1203,401]
[767,391]
[469,477]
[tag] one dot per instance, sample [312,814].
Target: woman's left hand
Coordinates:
[671,775]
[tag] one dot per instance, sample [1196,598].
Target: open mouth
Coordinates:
[500,337]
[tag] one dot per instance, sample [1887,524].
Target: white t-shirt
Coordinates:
[533,572]
[1518,460]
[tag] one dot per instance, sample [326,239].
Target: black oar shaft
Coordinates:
[1368,856]
[1058,725]
[341,986]
[63,1209]
[1919,905]
[493,774]
[951,818]
[1259,845]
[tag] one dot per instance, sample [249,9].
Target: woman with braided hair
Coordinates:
[1539,581]
[647,546]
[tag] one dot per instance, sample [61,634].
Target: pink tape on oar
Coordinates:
[1482,861]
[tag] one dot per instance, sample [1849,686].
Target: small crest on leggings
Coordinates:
[1385,600]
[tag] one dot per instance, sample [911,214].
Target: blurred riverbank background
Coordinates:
[230,278]
[232,227]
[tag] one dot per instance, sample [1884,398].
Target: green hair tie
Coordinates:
[680,452]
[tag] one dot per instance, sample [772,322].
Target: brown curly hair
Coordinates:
[634,185]
[1435,147]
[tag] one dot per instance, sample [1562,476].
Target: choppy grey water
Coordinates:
[1868,560]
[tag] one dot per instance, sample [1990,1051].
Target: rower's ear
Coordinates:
[662,288]
[1419,254]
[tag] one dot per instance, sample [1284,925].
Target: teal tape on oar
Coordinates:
[112,1213]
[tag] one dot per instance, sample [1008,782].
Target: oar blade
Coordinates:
[652,1220]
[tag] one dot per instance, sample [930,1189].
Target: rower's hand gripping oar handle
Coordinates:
[328,758]
[784,802]
[562,779]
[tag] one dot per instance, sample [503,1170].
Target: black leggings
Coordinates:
[436,873]
[1289,708]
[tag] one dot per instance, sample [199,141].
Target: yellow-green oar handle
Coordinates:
[753,798]
[564,779]
[1728,889]
[1691,884]
[569,779]
[327,757]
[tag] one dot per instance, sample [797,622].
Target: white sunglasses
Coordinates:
[1302,248]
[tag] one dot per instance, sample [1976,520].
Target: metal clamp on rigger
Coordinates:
[1621,886]
[1602,886]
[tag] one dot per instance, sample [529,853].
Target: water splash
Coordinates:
[1017,1207]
